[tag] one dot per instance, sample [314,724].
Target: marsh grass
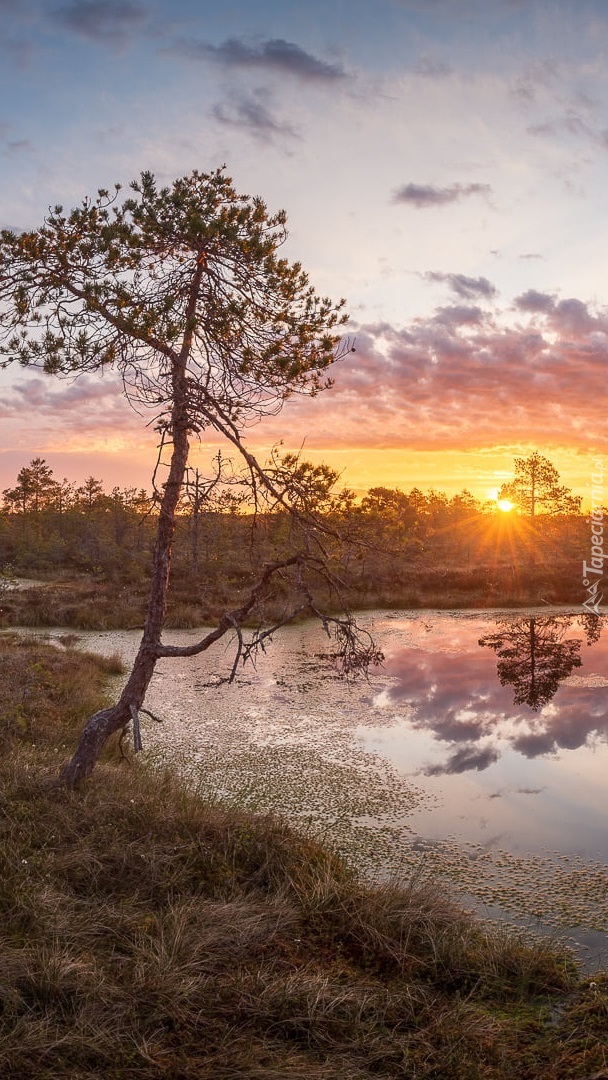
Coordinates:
[103,603]
[147,934]
[80,603]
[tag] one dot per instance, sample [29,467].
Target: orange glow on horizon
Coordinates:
[128,460]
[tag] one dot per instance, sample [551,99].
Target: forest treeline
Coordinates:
[389,548]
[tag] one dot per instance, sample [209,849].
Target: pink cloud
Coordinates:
[84,404]
[462,378]
[467,377]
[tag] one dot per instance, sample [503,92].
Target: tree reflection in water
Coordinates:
[534,655]
[453,693]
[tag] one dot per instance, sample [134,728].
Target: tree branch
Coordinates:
[233,619]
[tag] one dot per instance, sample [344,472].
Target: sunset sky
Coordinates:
[443,165]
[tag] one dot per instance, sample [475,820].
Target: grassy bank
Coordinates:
[94,603]
[145,934]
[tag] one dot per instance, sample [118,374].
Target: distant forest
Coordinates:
[389,548]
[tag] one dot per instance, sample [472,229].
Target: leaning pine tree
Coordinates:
[181,289]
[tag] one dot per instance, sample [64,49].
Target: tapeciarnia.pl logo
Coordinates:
[593,571]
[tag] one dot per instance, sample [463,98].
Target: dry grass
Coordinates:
[145,934]
[103,603]
[81,603]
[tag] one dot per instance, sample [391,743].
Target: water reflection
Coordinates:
[452,691]
[535,657]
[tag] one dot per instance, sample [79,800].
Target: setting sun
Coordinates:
[505,505]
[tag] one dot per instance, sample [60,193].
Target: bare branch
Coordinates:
[232,619]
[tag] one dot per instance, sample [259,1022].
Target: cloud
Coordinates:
[463,760]
[534,301]
[567,317]
[459,315]
[250,112]
[274,55]
[423,196]
[84,404]
[461,375]
[466,287]
[572,317]
[572,124]
[106,22]
[535,744]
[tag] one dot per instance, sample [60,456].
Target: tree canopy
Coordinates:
[185,275]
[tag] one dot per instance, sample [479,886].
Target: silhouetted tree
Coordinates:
[34,490]
[533,657]
[537,489]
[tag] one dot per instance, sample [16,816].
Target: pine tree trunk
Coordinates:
[104,723]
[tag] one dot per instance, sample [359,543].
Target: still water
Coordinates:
[505,719]
[478,752]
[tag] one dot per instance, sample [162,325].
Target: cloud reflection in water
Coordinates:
[481,694]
